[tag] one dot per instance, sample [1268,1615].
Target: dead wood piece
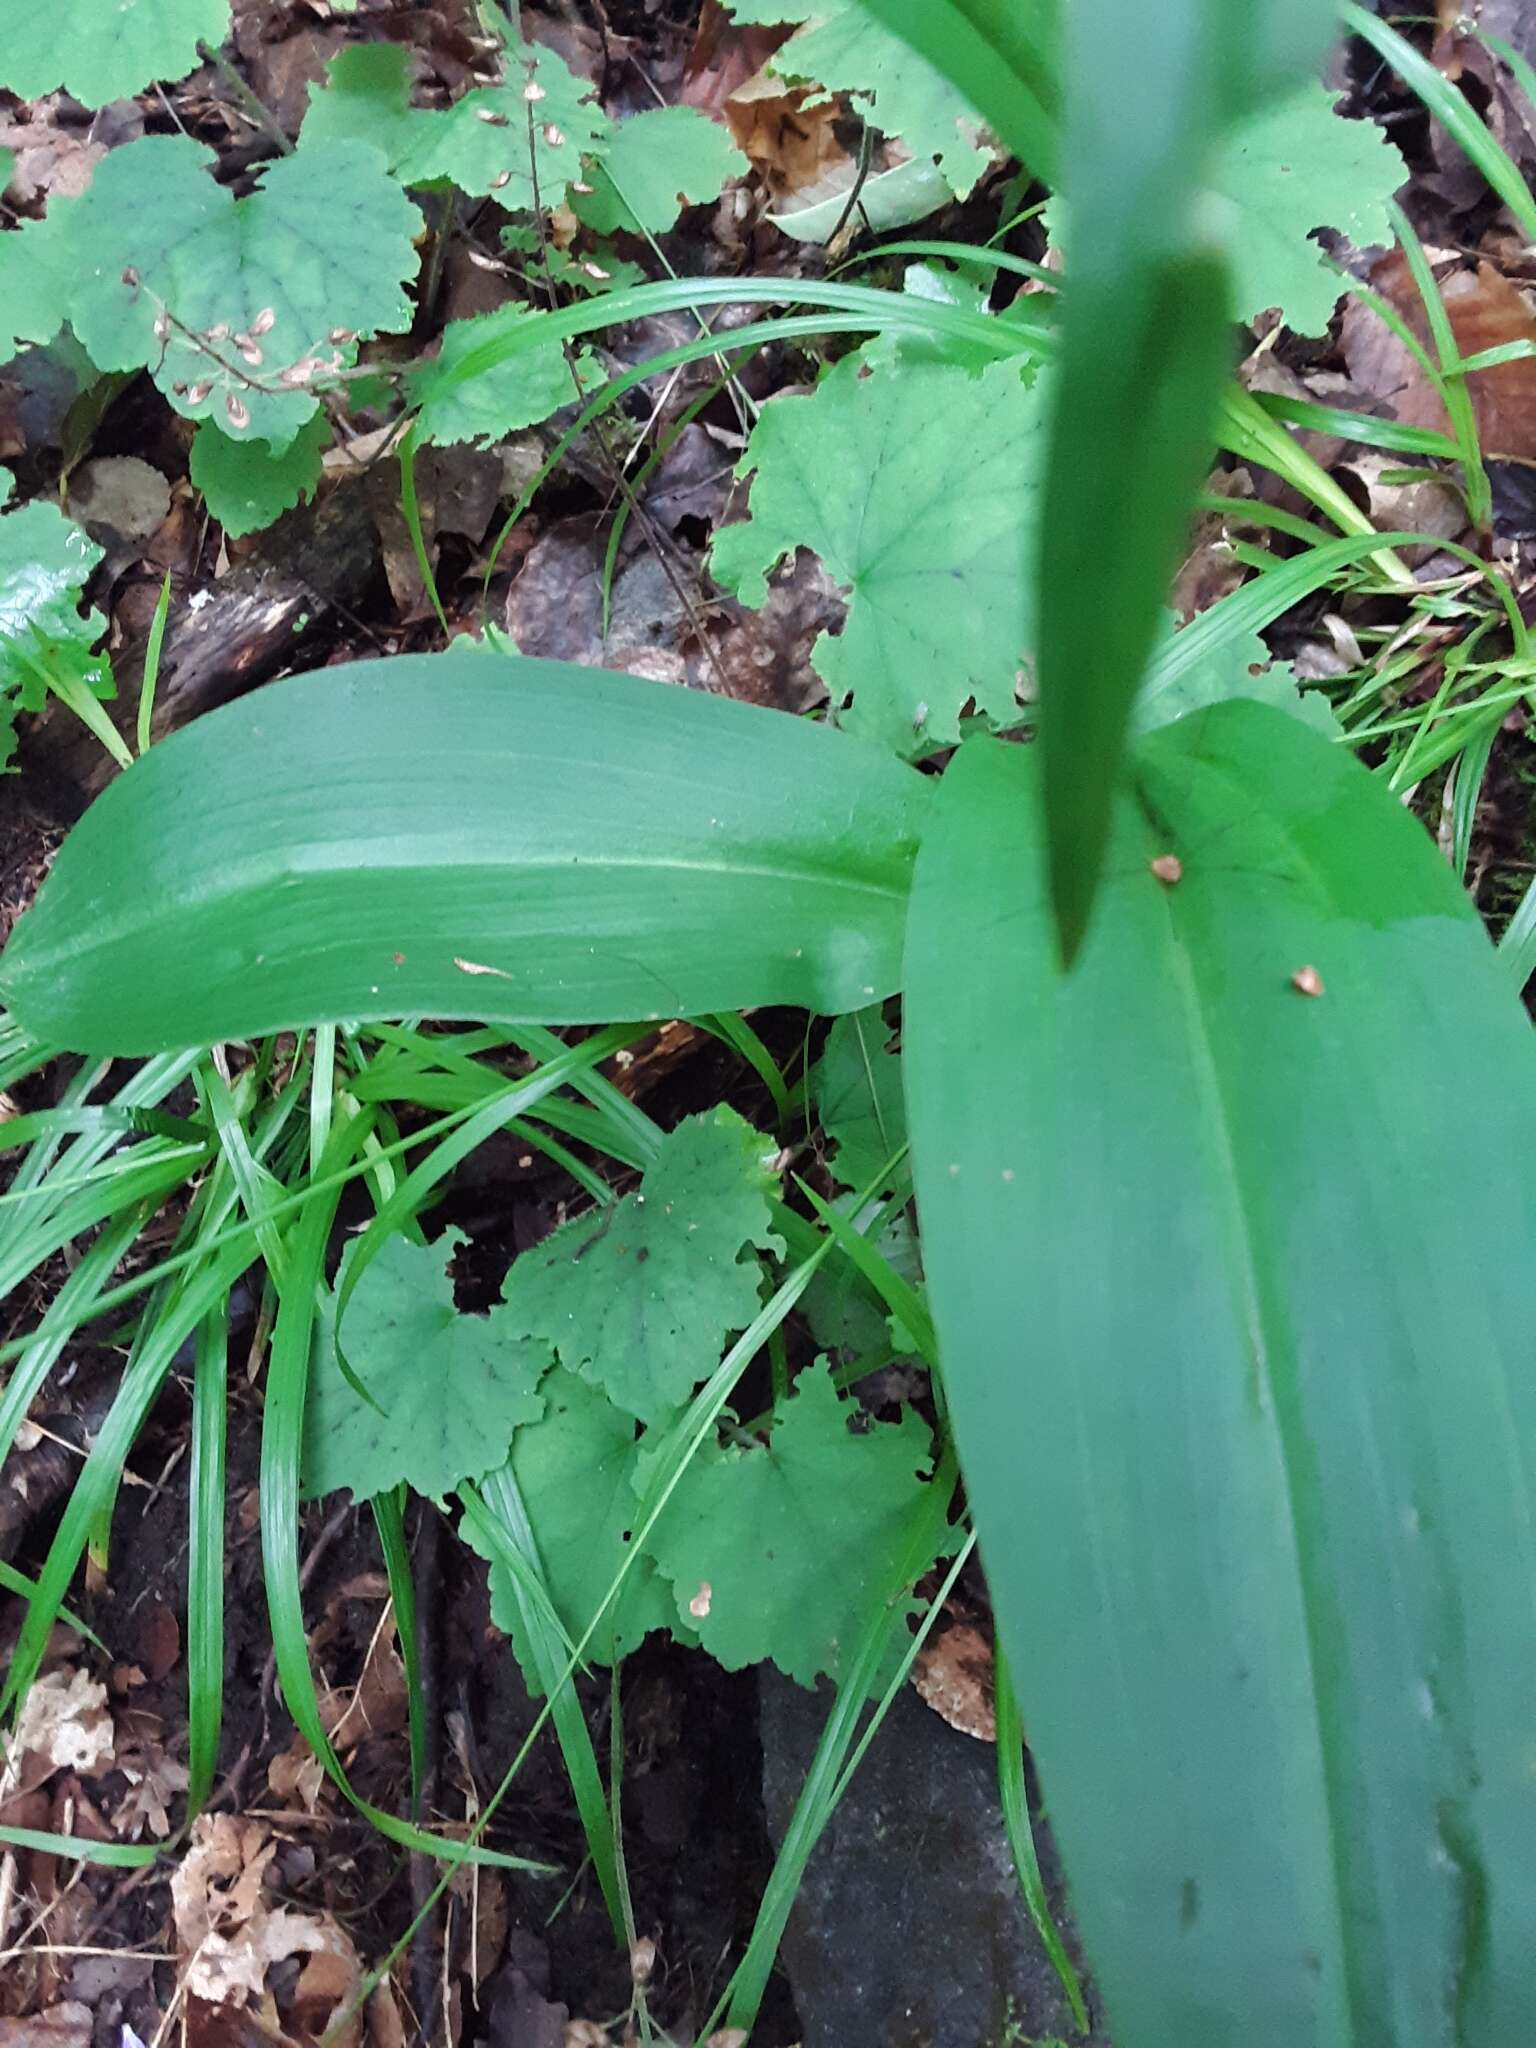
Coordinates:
[307,574]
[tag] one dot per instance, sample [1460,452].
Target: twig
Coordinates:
[866,157]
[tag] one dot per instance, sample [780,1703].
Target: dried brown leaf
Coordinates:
[65,1724]
[1485,311]
[67,2025]
[954,1674]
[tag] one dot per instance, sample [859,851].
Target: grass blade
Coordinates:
[205,1557]
[281,1438]
[1013,1798]
[151,676]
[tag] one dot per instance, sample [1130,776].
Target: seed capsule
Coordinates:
[1168,868]
[264,322]
[239,412]
[1307,981]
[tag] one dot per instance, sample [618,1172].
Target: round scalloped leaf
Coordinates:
[366,98]
[315,257]
[864,471]
[246,485]
[34,286]
[447,1390]
[857,1084]
[655,164]
[575,1469]
[512,141]
[845,49]
[640,1299]
[1240,666]
[101,50]
[541,116]
[1290,169]
[524,389]
[780,1552]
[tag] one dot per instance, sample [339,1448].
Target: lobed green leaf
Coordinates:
[640,1298]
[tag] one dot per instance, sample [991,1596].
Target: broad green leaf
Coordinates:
[499,141]
[946,285]
[34,286]
[1284,172]
[366,98]
[857,1085]
[843,1312]
[446,1390]
[101,50]
[1287,170]
[45,561]
[778,1552]
[887,199]
[1003,58]
[576,1470]
[520,142]
[519,392]
[655,164]
[1241,666]
[842,48]
[640,1299]
[1240,1378]
[869,471]
[248,484]
[470,835]
[587,268]
[256,292]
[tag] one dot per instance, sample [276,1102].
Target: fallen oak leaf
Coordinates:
[1485,311]
[65,1724]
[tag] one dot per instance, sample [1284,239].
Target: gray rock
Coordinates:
[909,1931]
